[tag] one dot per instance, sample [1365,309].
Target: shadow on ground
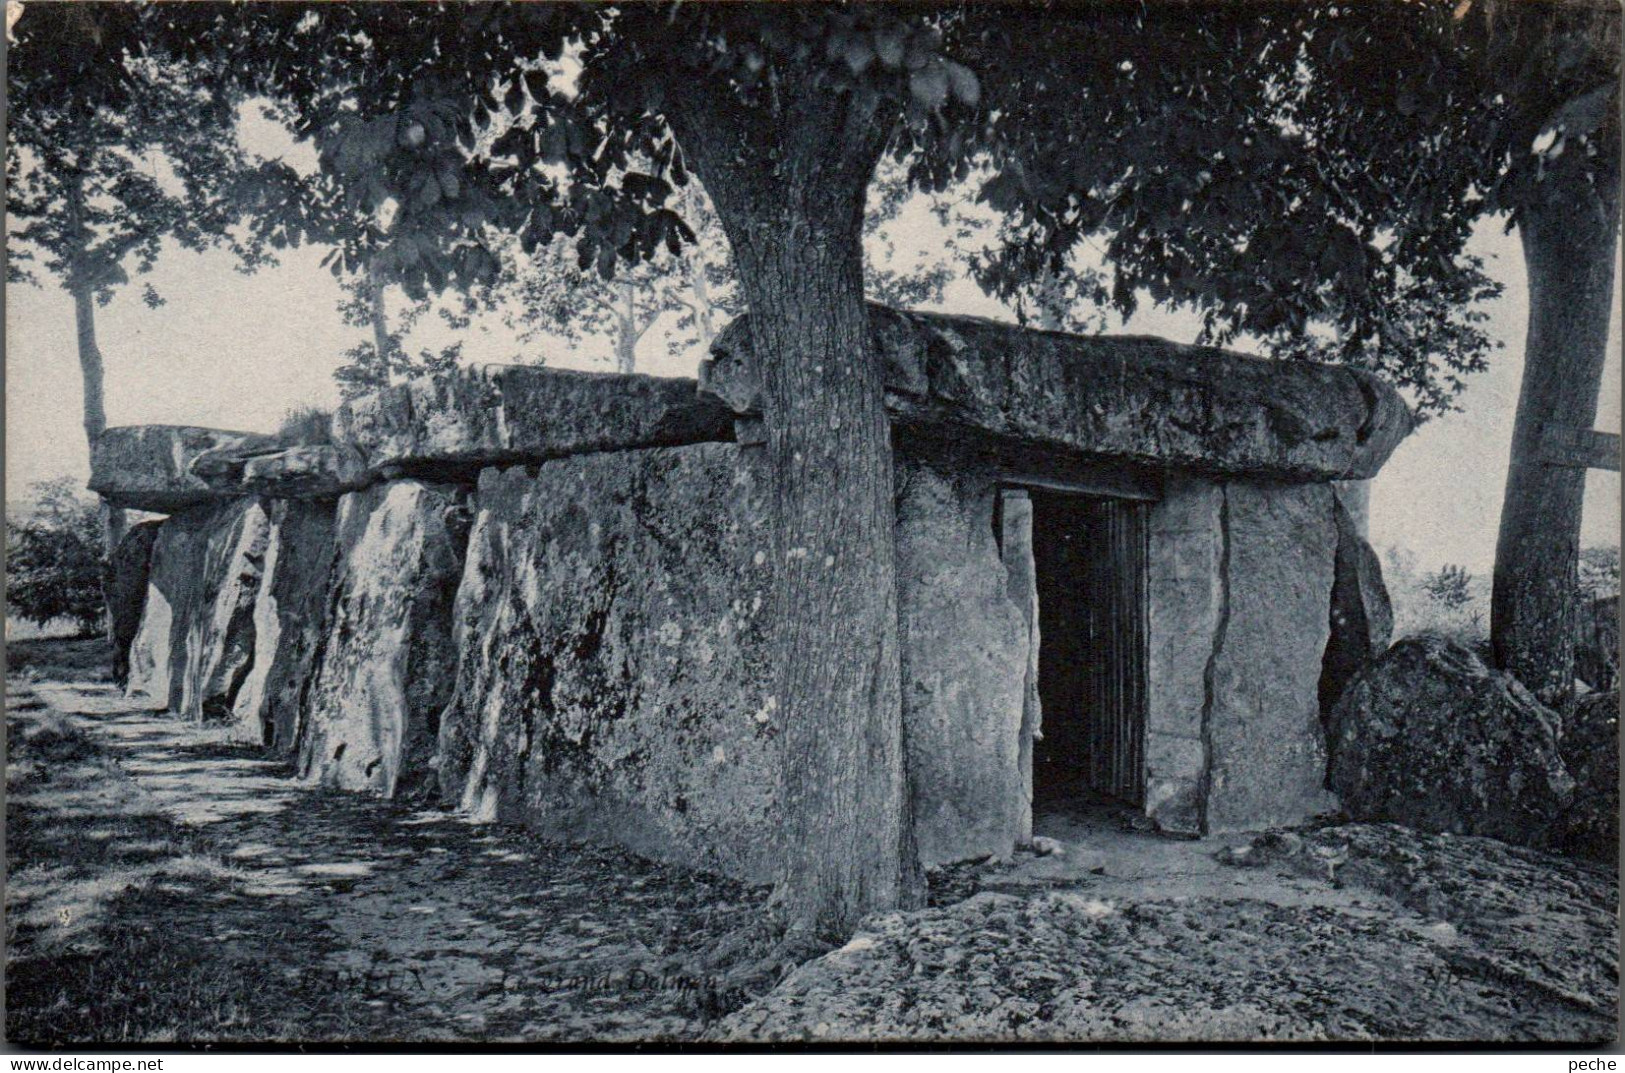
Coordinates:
[169,885]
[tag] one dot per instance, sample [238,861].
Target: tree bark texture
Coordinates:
[82,287]
[1568,242]
[789,187]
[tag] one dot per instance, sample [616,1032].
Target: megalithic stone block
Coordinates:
[1130,398]
[149,467]
[196,638]
[451,426]
[125,588]
[289,616]
[387,662]
[319,471]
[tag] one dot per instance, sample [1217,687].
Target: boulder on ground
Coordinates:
[149,467]
[124,586]
[387,663]
[289,614]
[1362,619]
[195,643]
[453,425]
[1136,398]
[1429,737]
[1591,752]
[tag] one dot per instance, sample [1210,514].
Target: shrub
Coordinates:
[54,558]
[1451,586]
[306,426]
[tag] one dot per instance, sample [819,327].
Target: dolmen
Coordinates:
[1129,570]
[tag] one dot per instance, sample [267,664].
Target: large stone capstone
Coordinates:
[456,424]
[313,471]
[195,643]
[1131,398]
[385,670]
[149,467]
[1429,737]
[289,617]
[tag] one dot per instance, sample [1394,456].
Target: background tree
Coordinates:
[1309,175]
[113,153]
[53,558]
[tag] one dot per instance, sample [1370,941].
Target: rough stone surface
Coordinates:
[125,589]
[319,471]
[220,642]
[613,681]
[1362,619]
[1591,753]
[149,467]
[193,648]
[1130,397]
[1431,738]
[1352,933]
[454,425]
[1185,598]
[965,648]
[289,614]
[1267,750]
[1596,651]
[385,669]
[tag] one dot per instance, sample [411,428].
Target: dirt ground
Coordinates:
[167,885]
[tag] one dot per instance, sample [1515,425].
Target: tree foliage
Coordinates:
[54,559]
[114,150]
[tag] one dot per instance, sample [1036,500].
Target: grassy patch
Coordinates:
[64,659]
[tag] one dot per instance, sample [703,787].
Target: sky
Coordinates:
[240,352]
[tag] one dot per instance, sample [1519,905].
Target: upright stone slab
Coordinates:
[1185,594]
[1267,754]
[289,614]
[1021,583]
[125,589]
[965,654]
[1362,619]
[193,647]
[613,680]
[386,666]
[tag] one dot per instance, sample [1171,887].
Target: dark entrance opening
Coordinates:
[1089,557]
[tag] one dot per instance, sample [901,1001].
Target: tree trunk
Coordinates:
[381,340]
[789,188]
[705,324]
[82,287]
[95,411]
[627,333]
[1568,243]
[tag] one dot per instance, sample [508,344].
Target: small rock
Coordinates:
[1048,847]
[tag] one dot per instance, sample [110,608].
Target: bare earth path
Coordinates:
[165,884]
